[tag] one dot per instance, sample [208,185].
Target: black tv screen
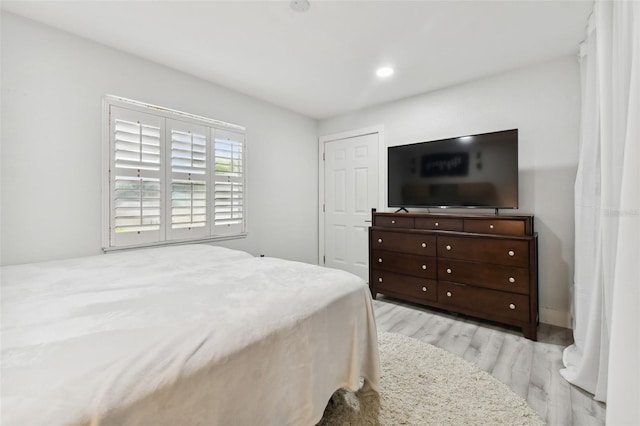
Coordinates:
[478,171]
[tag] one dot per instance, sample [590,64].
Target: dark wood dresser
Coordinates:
[479,265]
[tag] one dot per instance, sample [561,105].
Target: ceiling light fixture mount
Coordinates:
[300,5]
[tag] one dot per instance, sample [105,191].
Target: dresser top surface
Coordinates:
[487,216]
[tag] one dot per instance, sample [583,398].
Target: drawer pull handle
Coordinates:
[512,280]
[380,240]
[512,253]
[437,224]
[448,294]
[448,247]
[424,266]
[393,221]
[424,289]
[512,306]
[448,270]
[490,226]
[380,279]
[424,244]
[379,260]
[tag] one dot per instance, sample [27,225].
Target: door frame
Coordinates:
[382,175]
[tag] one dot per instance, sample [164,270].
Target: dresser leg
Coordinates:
[374,293]
[530,331]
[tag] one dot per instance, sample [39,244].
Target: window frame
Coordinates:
[169,236]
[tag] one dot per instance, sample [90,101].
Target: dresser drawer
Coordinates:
[498,277]
[421,288]
[410,264]
[490,304]
[403,242]
[439,224]
[490,250]
[501,227]
[393,221]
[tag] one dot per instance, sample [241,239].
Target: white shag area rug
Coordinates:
[424,385]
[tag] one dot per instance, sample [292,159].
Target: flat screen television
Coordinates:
[476,171]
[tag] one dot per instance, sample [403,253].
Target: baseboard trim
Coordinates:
[554,317]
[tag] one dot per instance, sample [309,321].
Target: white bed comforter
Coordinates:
[182,335]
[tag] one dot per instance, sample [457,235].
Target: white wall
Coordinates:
[543,102]
[52,87]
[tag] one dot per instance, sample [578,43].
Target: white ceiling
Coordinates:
[321,62]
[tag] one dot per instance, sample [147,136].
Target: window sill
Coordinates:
[178,242]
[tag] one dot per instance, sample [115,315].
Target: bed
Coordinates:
[189,335]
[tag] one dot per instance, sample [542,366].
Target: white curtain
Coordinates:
[605,358]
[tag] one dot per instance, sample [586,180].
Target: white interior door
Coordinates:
[351,190]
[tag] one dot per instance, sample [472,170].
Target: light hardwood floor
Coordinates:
[530,368]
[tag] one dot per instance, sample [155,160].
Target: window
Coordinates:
[171,176]
[229,181]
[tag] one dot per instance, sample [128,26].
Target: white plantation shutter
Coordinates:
[188,178]
[136,146]
[172,176]
[228,182]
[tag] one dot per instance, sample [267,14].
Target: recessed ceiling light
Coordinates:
[384,72]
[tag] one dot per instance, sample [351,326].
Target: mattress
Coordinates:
[191,334]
